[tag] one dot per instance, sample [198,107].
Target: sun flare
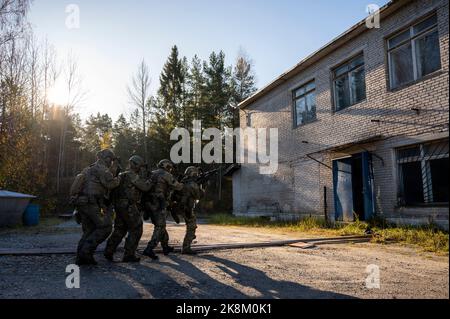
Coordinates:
[57,95]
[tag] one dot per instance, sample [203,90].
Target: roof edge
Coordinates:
[337,42]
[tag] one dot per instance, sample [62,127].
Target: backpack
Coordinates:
[78,184]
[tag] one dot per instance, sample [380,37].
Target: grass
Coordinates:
[428,238]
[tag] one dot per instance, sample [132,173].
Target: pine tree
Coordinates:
[218,111]
[196,96]
[124,139]
[172,86]
[97,132]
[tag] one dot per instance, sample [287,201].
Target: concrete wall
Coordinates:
[297,188]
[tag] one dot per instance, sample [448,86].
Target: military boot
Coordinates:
[167,250]
[188,251]
[150,253]
[91,260]
[109,256]
[79,261]
[85,261]
[131,259]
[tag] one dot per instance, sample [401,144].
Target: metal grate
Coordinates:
[423,170]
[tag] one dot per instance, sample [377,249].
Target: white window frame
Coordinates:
[296,98]
[425,167]
[412,39]
[347,74]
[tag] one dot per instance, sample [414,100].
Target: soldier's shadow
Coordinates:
[177,277]
[267,287]
[173,278]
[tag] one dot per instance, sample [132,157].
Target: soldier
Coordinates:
[95,215]
[185,201]
[164,183]
[128,216]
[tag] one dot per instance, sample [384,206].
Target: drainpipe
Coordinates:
[325,204]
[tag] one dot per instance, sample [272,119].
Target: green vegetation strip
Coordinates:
[429,238]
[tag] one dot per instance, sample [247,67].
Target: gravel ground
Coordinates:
[330,271]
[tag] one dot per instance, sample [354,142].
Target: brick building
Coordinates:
[363,125]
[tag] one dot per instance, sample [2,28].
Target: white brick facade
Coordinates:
[297,189]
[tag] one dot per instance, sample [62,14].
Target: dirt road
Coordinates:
[331,271]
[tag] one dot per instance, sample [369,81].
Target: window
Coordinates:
[249,119]
[349,83]
[305,104]
[423,172]
[414,53]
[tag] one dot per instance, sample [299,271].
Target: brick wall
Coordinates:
[298,185]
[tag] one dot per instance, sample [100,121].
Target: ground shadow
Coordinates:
[172,277]
[177,277]
[268,287]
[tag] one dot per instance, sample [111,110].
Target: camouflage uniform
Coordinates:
[185,202]
[164,183]
[95,214]
[128,216]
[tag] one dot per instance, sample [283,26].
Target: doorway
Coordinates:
[353,187]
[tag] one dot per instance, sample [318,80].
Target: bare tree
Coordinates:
[12,15]
[76,94]
[13,80]
[243,82]
[50,72]
[34,73]
[243,77]
[139,94]
[12,55]
[13,62]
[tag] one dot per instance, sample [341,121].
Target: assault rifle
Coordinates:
[176,196]
[147,200]
[109,198]
[119,166]
[202,178]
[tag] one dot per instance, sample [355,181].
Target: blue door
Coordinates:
[353,185]
[343,189]
[368,189]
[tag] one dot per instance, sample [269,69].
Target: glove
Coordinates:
[114,169]
[175,217]
[77,216]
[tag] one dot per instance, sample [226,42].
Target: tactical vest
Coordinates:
[159,179]
[77,186]
[127,190]
[190,194]
[92,185]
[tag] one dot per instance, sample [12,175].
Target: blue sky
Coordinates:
[114,36]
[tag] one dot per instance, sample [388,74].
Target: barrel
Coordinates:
[31,215]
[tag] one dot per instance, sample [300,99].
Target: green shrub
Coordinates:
[430,238]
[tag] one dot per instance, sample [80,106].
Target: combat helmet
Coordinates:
[192,171]
[166,164]
[137,160]
[103,154]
